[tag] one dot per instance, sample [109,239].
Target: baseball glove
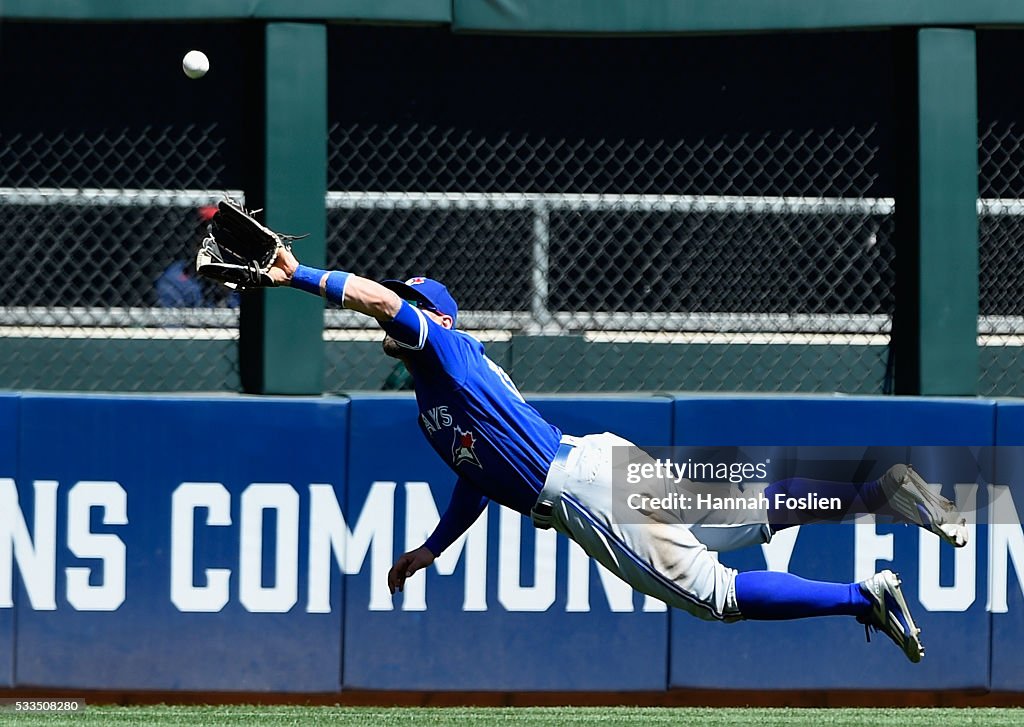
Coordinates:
[239,251]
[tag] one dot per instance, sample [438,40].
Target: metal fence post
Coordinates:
[541,246]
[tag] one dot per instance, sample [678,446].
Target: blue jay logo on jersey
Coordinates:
[462,447]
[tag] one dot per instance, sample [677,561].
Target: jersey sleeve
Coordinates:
[464,508]
[437,345]
[409,327]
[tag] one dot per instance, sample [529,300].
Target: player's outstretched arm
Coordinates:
[463,509]
[359,294]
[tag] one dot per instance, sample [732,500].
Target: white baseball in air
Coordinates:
[195,64]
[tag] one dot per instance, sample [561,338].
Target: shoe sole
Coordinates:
[912,646]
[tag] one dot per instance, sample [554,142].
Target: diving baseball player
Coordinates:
[501,449]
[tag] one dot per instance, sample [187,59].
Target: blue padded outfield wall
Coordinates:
[242,544]
[176,492]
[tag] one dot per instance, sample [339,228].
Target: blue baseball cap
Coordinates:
[427,293]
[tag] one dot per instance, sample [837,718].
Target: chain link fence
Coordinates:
[756,262]
[1001,259]
[98,234]
[753,262]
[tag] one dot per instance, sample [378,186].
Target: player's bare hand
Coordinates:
[406,565]
[284,266]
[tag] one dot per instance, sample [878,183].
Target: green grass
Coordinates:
[272,716]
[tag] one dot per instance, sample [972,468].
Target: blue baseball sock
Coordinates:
[854,498]
[773,596]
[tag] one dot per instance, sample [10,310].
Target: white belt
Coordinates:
[544,509]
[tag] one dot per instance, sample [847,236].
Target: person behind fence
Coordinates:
[178,286]
[501,449]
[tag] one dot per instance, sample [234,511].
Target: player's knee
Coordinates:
[711,590]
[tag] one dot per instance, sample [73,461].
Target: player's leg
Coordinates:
[877,602]
[668,562]
[792,501]
[800,500]
[900,493]
[661,559]
[775,596]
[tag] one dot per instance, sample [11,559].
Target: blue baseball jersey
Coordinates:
[476,420]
